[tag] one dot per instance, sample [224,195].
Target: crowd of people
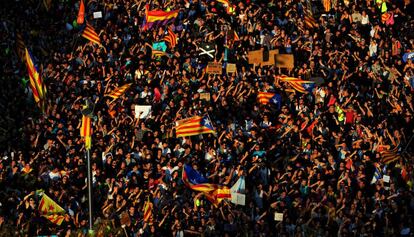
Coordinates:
[317,157]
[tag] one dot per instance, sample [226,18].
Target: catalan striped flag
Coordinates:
[236,36]
[159,53]
[117,92]
[214,193]
[327,5]
[390,156]
[90,34]
[195,126]
[86,131]
[20,47]
[36,82]
[171,38]
[147,210]
[269,97]
[51,210]
[299,85]
[158,18]
[310,22]
[81,13]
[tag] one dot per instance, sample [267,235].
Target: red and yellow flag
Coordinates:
[147,210]
[171,38]
[117,92]
[36,82]
[195,126]
[90,34]
[86,131]
[51,210]
[81,13]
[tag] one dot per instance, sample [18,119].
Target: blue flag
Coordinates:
[193,176]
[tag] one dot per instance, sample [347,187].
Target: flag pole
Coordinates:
[89,190]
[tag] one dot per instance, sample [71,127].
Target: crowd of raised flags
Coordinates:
[202,126]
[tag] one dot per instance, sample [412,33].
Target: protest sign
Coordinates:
[97,15]
[214,68]
[231,68]
[284,60]
[205,96]
[142,111]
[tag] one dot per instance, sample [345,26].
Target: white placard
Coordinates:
[97,15]
[278,216]
[238,198]
[386,178]
[142,111]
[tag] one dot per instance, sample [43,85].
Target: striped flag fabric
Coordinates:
[90,34]
[310,21]
[327,5]
[171,38]
[299,85]
[20,47]
[236,36]
[390,156]
[157,18]
[86,131]
[159,53]
[147,210]
[269,97]
[36,82]
[117,92]
[195,126]
[214,193]
[81,13]
[51,210]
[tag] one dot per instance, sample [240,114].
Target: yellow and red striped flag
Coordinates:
[147,210]
[390,156]
[299,85]
[229,7]
[90,34]
[51,210]
[36,82]
[327,5]
[81,13]
[171,38]
[86,131]
[195,126]
[117,92]
[236,36]
[264,97]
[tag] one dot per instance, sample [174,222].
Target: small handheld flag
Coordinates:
[90,34]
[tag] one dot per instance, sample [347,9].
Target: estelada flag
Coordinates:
[51,210]
[81,13]
[171,38]
[117,92]
[195,126]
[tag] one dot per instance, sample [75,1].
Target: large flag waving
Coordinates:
[81,13]
[158,18]
[195,126]
[214,193]
[90,34]
[390,156]
[299,85]
[117,92]
[36,82]
[171,38]
[51,210]
[269,97]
